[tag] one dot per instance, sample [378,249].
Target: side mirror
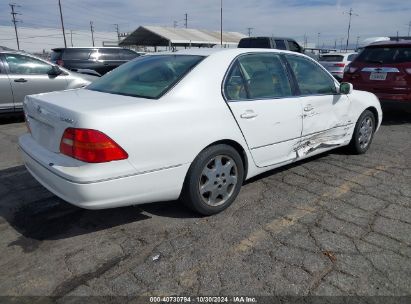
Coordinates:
[54,71]
[346,88]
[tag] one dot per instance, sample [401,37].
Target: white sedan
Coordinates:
[191,125]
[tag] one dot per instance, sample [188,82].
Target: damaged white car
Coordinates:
[191,125]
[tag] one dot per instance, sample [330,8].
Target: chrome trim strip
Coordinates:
[380,70]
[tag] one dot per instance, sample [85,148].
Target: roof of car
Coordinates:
[230,51]
[86,47]
[391,43]
[339,53]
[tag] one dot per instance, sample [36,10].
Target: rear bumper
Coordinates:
[160,185]
[403,105]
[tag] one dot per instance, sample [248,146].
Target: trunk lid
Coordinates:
[48,115]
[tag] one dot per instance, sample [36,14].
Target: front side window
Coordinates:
[294,46]
[257,76]
[311,78]
[147,76]
[20,64]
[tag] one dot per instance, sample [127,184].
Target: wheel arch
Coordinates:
[238,147]
[374,111]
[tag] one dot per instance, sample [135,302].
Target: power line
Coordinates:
[62,25]
[13,14]
[349,26]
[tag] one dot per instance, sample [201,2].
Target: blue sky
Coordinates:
[294,18]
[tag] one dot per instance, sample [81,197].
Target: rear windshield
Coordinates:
[255,43]
[385,55]
[147,76]
[331,58]
[77,54]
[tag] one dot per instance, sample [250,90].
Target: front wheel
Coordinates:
[213,180]
[363,133]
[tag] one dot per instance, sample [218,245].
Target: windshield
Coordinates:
[385,55]
[147,76]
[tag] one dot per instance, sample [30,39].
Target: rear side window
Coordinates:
[280,44]
[76,54]
[385,55]
[55,55]
[331,58]
[311,78]
[127,55]
[109,54]
[351,57]
[255,43]
[147,77]
[257,76]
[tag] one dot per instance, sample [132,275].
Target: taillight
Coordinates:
[350,70]
[60,62]
[408,71]
[90,146]
[340,65]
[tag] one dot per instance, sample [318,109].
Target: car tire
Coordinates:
[363,133]
[213,180]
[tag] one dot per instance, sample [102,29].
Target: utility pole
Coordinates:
[62,25]
[92,31]
[318,40]
[185,20]
[335,43]
[341,43]
[409,28]
[175,24]
[118,31]
[305,40]
[358,40]
[349,26]
[249,29]
[13,14]
[71,37]
[221,23]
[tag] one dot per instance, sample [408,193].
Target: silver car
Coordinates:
[335,63]
[22,74]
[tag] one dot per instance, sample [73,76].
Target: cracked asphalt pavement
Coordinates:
[336,224]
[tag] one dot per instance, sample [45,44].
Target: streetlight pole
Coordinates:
[349,27]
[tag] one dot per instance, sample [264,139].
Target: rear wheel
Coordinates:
[363,133]
[213,180]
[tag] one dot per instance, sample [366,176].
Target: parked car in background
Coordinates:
[191,125]
[92,60]
[335,63]
[384,68]
[22,74]
[271,43]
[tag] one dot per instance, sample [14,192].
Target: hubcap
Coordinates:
[218,180]
[365,132]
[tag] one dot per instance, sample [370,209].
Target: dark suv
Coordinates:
[383,68]
[93,59]
[271,43]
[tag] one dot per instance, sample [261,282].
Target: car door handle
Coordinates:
[248,114]
[20,80]
[308,108]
